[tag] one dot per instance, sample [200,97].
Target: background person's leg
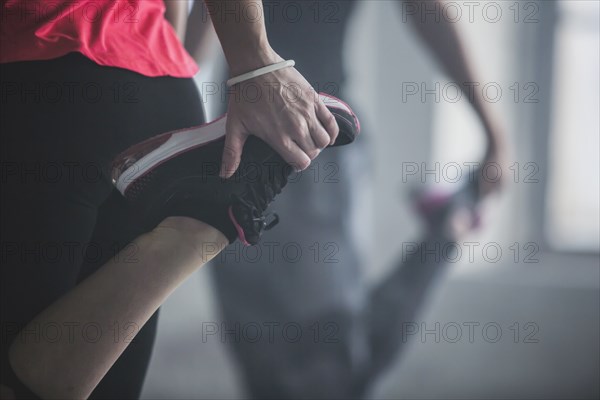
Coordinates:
[302,289]
[395,303]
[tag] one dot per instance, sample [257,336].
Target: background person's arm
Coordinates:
[446,44]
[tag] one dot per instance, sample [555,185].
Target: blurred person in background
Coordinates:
[323,290]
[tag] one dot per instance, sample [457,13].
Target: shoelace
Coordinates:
[262,199]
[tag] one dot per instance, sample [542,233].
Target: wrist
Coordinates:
[247,61]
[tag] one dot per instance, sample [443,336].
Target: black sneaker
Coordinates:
[177,174]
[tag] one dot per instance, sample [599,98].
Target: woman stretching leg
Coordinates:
[69,114]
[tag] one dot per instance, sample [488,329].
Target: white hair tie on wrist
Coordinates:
[261,71]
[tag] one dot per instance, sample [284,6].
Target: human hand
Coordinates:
[286,113]
[494,167]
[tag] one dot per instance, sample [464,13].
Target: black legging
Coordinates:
[62,122]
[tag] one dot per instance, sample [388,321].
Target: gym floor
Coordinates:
[559,295]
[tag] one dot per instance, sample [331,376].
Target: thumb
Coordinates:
[232,153]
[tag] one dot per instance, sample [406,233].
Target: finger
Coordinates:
[327,120]
[319,135]
[293,154]
[232,153]
[302,137]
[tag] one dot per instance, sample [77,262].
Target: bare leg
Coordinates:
[119,294]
